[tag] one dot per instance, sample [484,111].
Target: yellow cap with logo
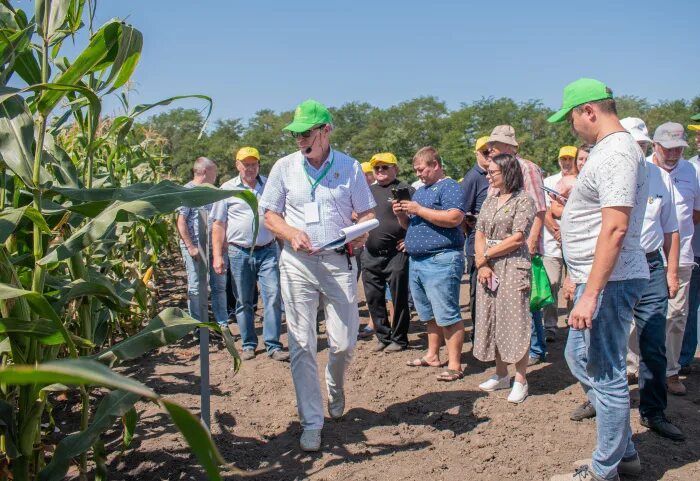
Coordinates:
[247,152]
[366,167]
[481,143]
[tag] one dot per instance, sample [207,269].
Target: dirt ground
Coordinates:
[400,422]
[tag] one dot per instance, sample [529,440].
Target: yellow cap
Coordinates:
[694,127]
[481,142]
[386,157]
[247,152]
[568,151]
[366,167]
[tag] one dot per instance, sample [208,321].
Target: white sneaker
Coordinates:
[310,440]
[336,404]
[495,383]
[518,393]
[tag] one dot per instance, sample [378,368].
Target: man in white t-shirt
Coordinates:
[669,142]
[553,259]
[690,338]
[601,228]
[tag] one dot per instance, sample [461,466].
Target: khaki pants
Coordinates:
[675,321]
[307,280]
[556,272]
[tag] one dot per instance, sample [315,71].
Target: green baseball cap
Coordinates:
[308,114]
[695,117]
[579,92]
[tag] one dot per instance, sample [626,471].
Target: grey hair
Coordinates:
[201,165]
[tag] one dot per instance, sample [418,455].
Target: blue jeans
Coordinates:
[650,320]
[538,341]
[217,284]
[596,357]
[690,337]
[263,267]
[435,281]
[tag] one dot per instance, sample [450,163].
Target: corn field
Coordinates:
[85,214]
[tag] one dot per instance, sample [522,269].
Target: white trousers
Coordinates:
[307,280]
[675,321]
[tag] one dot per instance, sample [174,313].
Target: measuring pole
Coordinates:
[203,277]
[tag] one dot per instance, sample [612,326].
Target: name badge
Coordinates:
[311,214]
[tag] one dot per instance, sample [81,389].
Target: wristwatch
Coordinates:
[486,257]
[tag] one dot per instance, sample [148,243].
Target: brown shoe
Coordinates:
[675,386]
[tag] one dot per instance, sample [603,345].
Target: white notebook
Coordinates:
[346,235]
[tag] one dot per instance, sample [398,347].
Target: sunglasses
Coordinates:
[307,133]
[377,168]
[492,173]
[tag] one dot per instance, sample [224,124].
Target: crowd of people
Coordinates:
[614,230]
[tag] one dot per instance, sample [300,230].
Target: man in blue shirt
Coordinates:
[475,186]
[434,242]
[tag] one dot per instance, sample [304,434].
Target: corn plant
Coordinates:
[83,216]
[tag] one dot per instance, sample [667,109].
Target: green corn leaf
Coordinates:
[160,198]
[114,405]
[42,329]
[7,428]
[128,55]
[129,424]
[197,437]
[17,138]
[56,16]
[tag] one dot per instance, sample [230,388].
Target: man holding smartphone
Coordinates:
[384,260]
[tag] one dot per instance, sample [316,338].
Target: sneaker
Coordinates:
[627,467]
[518,393]
[495,383]
[379,346]
[336,405]
[279,355]
[365,332]
[582,473]
[394,347]
[583,411]
[532,361]
[675,386]
[310,440]
[663,427]
[248,354]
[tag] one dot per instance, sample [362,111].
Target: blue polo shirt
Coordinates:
[424,238]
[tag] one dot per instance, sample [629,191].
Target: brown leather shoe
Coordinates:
[675,386]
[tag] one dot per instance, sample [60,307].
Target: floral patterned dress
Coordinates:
[503,317]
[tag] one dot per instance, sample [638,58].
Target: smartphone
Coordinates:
[402,193]
[553,192]
[493,283]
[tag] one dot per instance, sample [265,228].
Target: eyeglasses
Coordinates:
[485,152]
[492,173]
[307,133]
[377,168]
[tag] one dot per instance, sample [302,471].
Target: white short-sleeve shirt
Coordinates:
[615,176]
[342,191]
[552,248]
[660,214]
[239,216]
[686,190]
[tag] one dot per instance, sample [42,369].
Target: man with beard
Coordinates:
[669,142]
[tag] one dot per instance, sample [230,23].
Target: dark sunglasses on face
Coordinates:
[377,168]
[307,133]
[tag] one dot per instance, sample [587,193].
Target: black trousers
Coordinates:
[391,268]
[471,273]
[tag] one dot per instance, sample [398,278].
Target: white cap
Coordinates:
[637,128]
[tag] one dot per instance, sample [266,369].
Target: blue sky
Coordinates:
[250,55]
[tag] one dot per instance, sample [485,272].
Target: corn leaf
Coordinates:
[160,198]
[114,405]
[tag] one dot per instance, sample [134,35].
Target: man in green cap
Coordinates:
[600,232]
[309,197]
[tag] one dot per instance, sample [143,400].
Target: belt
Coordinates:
[255,248]
[653,255]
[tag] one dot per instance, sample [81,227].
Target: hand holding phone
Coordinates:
[402,193]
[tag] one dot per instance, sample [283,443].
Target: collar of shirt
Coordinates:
[259,183]
[313,171]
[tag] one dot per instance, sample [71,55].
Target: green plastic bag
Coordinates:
[541,292]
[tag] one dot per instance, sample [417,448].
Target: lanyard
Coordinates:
[321,175]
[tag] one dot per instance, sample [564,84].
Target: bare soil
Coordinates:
[400,424]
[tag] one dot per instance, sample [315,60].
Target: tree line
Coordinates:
[362,130]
